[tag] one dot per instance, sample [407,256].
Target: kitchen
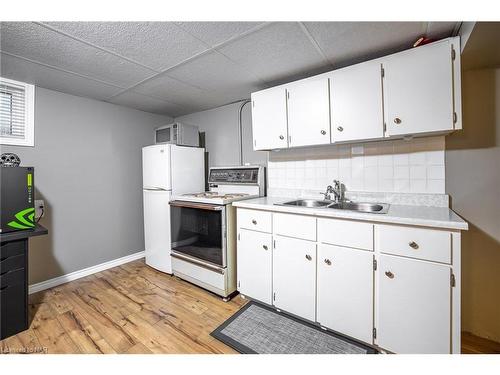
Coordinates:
[263,187]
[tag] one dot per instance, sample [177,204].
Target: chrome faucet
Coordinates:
[328,193]
[338,192]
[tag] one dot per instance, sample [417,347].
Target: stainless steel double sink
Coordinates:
[374,208]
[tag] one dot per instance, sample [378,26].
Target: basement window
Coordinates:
[17,108]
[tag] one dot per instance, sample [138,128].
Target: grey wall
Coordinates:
[87,160]
[473,182]
[221,134]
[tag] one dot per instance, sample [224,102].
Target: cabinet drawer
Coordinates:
[12,278]
[13,310]
[346,233]
[297,226]
[254,219]
[11,263]
[8,249]
[419,243]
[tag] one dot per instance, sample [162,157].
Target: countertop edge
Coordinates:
[379,218]
[39,230]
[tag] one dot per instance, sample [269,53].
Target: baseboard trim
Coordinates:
[47,284]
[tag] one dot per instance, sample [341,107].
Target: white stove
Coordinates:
[212,197]
[203,228]
[229,184]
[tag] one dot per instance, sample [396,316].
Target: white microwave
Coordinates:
[178,134]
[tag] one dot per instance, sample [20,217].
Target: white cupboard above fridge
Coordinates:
[416,92]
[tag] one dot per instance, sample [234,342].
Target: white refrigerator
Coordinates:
[166,170]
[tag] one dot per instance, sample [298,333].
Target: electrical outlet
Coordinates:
[39,207]
[357,150]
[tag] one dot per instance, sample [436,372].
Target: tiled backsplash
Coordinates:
[401,166]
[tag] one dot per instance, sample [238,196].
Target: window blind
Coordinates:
[16,112]
[12,111]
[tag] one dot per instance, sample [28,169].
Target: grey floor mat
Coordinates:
[260,329]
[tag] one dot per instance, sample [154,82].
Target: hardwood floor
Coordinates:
[127,309]
[135,309]
[472,344]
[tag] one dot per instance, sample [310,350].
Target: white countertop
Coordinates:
[438,217]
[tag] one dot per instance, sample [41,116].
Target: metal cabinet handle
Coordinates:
[323,132]
[308,257]
[264,247]
[389,274]
[254,222]
[328,262]
[340,128]
[282,137]
[413,245]
[397,120]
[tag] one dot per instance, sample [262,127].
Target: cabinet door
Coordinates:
[269,123]
[413,306]
[308,113]
[254,265]
[294,276]
[356,102]
[418,88]
[345,291]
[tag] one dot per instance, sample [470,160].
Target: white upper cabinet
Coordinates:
[308,113]
[356,102]
[418,89]
[414,92]
[269,123]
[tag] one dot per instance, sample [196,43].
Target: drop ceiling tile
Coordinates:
[190,98]
[158,45]
[38,43]
[145,103]
[53,79]
[214,33]
[214,72]
[275,51]
[170,89]
[349,42]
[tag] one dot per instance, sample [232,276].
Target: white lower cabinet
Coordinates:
[294,276]
[345,291]
[254,265]
[398,295]
[414,306]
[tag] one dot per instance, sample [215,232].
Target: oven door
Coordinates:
[199,232]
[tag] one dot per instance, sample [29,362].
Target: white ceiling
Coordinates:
[176,68]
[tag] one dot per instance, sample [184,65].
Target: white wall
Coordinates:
[473,182]
[221,135]
[88,169]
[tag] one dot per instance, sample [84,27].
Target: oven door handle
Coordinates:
[198,263]
[201,206]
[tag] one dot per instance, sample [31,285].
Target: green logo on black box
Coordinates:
[25,219]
